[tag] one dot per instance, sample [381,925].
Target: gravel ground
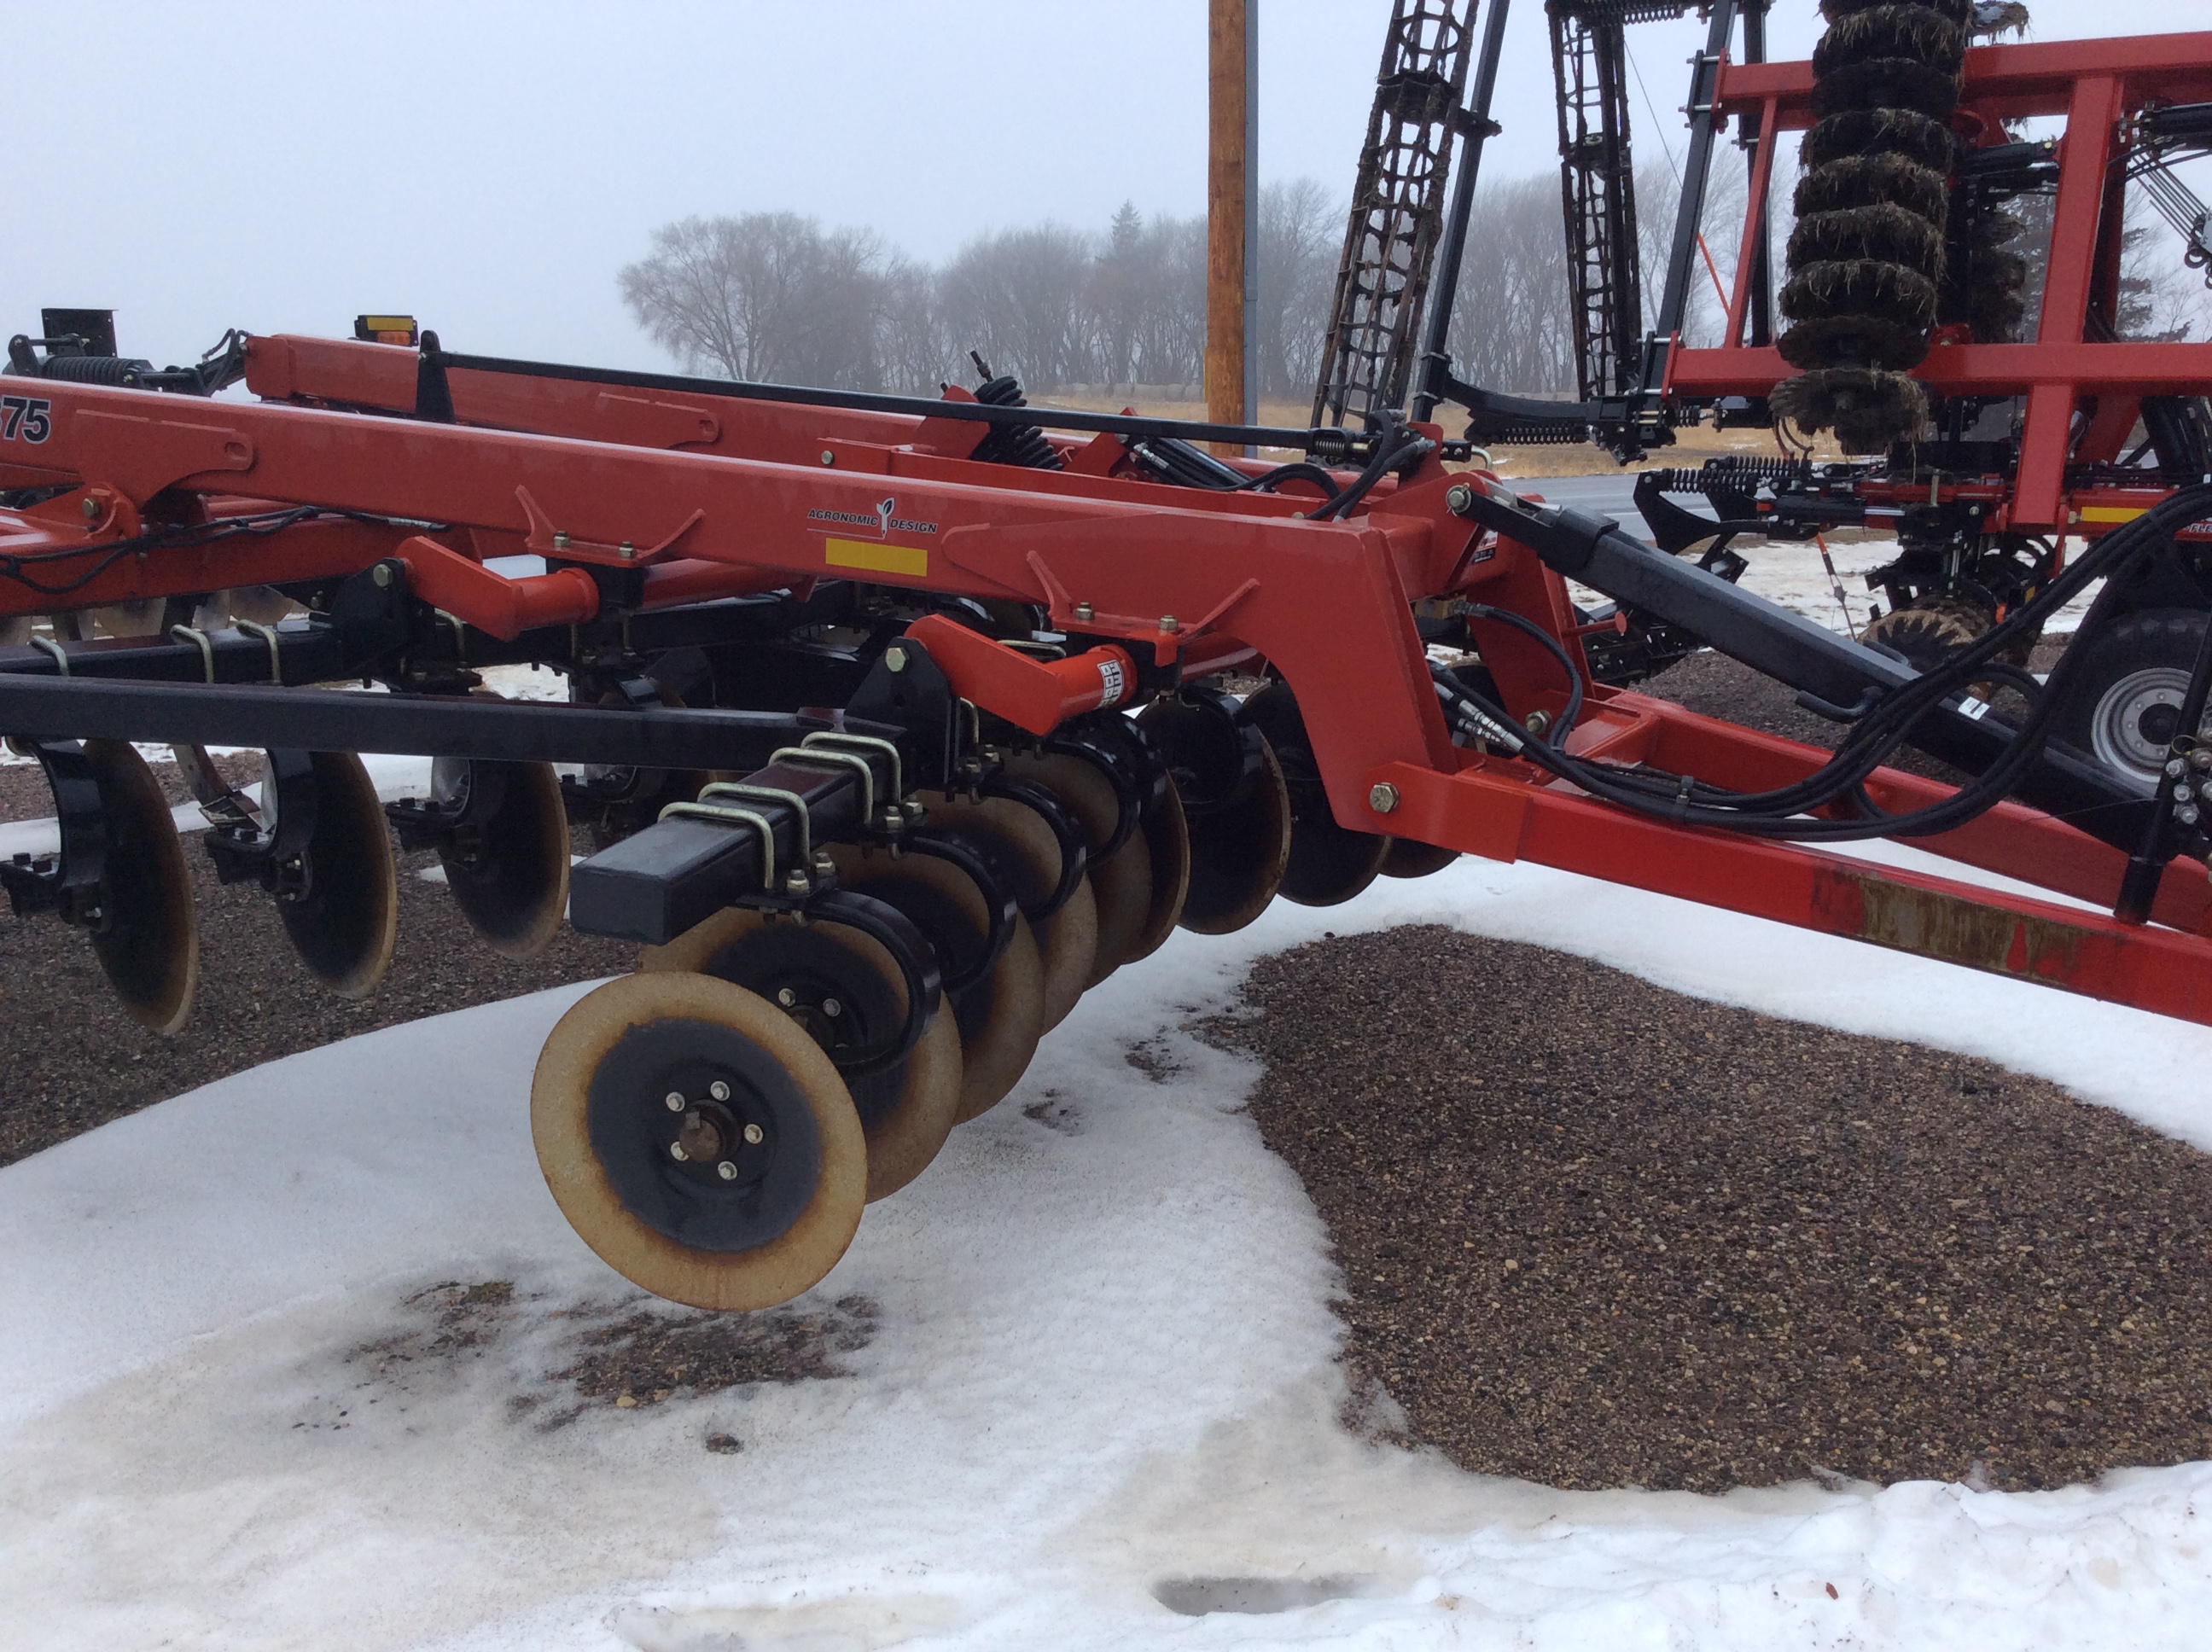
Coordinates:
[77,1060]
[1595,1233]
[1622,1236]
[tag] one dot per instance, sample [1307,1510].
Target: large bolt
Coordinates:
[786,997]
[1383,796]
[894,658]
[1168,623]
[829,458]
[832,1008]
[719,1090]
[726,1170]
[754,1135]
[561,541]
[91,507]
[1459,499]
[381,574]
[1083,610]
[628,551]
[675,1099]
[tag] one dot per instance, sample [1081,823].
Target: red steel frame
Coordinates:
[714,496]
[2098,85]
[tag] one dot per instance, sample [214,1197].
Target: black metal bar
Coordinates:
[1434,363]
[655,885]
[1779,643]
[1697,167]
[305,653]
[324,720]
[1328,442]
[1762,256]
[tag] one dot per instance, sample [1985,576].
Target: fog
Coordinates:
[490,167]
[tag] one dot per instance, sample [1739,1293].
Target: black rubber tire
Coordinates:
[2126,672]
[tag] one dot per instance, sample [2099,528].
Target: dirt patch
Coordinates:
[646,1356]
[1595,1233]
[77,1060]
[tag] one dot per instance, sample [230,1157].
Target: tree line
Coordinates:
[1121,310]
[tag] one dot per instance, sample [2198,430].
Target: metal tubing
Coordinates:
[1443,288]
[320,719]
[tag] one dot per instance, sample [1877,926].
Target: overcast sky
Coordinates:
[490,167]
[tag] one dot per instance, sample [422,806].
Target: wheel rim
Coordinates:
[846,994]
[2136,717]
[680,1228]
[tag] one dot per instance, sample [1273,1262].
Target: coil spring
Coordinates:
[1011,444]
[110,370]
[1736,472]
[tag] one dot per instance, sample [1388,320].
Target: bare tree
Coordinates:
[768,296]
[1297,253]
[1018,298]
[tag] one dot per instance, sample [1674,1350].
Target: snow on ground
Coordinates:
[1100,1387]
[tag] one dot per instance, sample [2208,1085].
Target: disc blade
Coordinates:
[603,1132]
[150,948]
[514,888]
[345,927]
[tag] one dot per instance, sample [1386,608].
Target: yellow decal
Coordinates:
[877,558]
[2111,512]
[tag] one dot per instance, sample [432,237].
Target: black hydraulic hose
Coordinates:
[1300,471]
[1778,814]
[1392,448]
[1574,711]
[111,551]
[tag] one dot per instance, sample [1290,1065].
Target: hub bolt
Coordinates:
[786,997]
[832,1008]
[1383,796]
[719,1090]
[726,1170]
[675,1099]
[676,1151]
[754,1135]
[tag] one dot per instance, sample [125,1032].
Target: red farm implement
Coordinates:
[898,723]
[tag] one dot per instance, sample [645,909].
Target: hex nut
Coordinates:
[829,458]
[754,1135]
[726,1170]
[675,1101]
[1383,796]
[719,1090]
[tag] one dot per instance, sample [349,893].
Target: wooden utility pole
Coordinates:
[1232,203]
